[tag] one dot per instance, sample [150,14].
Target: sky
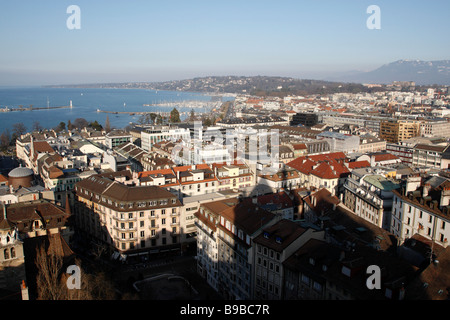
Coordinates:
[147,40]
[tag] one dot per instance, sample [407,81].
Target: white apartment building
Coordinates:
[156,134]
[425,211]
[227,228]
[435,128]
[369,195]
[433,156]
[340,142]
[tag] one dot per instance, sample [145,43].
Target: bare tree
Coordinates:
[107,125]
[37,126]
[19,129]
[52,281]
[49,286]
[5,139]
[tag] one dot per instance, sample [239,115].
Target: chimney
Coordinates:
[4,210]
[67,207]
[425,190]
[32,147]
[24,290]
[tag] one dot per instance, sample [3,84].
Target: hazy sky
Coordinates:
[150,40]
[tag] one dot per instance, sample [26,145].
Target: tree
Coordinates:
[61,126]
[19,129]
[80,123]
[4,139]
[153,117]
[96,126]
[192,115]
[159,119]
[107,125]
[207,122]
[48,282]
[37,126]
[51,281]
[69,126]
[175,116]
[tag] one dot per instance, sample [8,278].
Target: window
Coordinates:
[317,286]
[305,279]
[163,221]
[6,254]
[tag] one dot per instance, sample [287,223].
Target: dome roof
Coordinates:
[20,172]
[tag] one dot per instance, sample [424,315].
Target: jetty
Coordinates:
[31,108]
[132,113]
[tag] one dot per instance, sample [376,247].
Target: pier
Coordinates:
[132,113]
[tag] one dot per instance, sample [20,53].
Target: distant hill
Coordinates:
[255,85]
[421,72]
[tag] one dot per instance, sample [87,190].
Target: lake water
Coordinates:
[85,103]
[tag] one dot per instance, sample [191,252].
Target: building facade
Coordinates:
[395,131]
[127,219]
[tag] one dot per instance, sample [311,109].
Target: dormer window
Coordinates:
[266,235]
[278,240]
[312,261]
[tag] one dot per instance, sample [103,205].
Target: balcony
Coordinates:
[155,226]
[125,229]
[125,218]
[117,238]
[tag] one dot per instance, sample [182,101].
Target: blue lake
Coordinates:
[85,103]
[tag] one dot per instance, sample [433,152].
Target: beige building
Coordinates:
[12,260]
[128,219]
[394,131]
[371,144]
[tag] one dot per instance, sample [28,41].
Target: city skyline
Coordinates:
[153,41]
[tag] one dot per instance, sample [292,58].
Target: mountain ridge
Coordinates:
[436,72]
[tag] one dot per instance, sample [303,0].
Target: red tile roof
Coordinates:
[3,178]
[385,157]
[153,172]
[358,164]
[330,165]
[300,146]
